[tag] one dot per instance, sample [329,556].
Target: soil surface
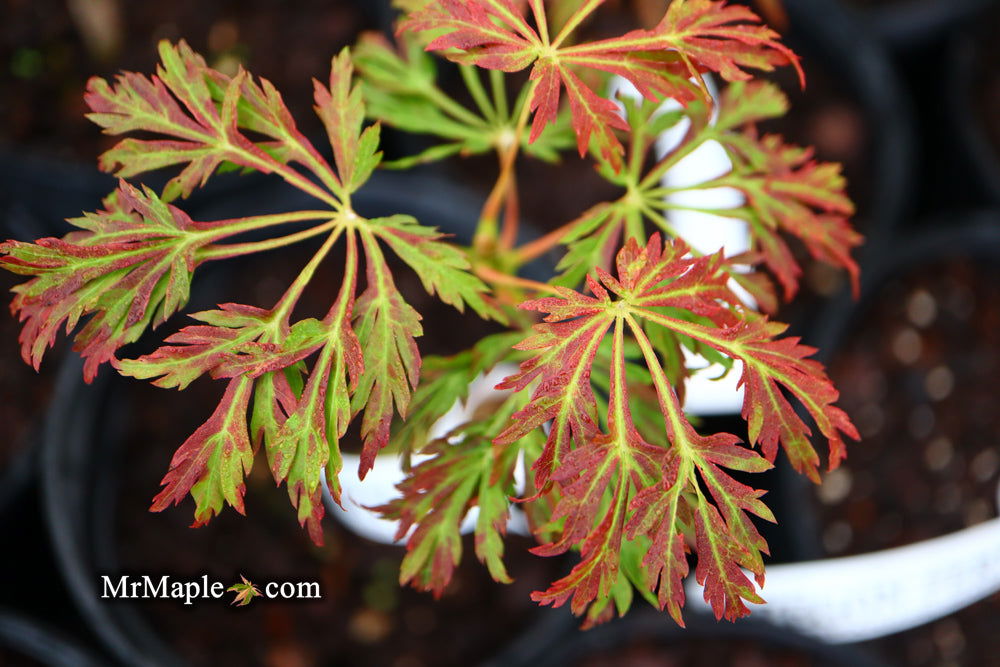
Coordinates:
[49,48]
[918,375]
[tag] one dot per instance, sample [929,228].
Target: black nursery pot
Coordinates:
[31,206]
[825,33]
[25,641]
[916,362]
[912,24]
[973,101]
[107,446]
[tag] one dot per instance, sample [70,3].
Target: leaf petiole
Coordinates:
[229,250]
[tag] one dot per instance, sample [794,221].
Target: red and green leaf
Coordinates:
[771,364]
[613,484]
[212,463]
[441,267]
[234,341]
[597,478]
[129,268]
[786,192]
[342,110]
[436,498]
[302,444]
[387,327]
[694,36]
[798,196]
[200,112]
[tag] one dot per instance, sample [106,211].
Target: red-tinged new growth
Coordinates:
[613,484]
[694,37]
[785,192]
[436,498]
[129,267]
[298,383]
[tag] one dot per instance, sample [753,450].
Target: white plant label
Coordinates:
[851,599]
[379,485]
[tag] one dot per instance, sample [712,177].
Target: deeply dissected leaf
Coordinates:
[211,464]
[442,268]
[694,35]
[202,131]
[303,439]
[400,90]
[445,381]
[343,112]
[616,486]
[786,192]
[572,331]
[619,461]
[387,327]
[232,342]
[436,498]
[130,267]
[789,192]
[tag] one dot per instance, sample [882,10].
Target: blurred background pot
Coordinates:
[973,100]
[30,207]
[25,641]
[911,24]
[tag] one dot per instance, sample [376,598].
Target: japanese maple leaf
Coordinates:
[786,192]
[609,465]
[197,115]
[129,267]
[234,340]
[302,440]
[613,485]
[212,463]
[301,383]
[726,540]
[436,498]
[568,340]
[771,365]
[694,36]
[794,194]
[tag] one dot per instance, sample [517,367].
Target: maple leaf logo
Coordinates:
[245,591]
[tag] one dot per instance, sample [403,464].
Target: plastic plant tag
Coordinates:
[706,233]
[379,485]
[855,598]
